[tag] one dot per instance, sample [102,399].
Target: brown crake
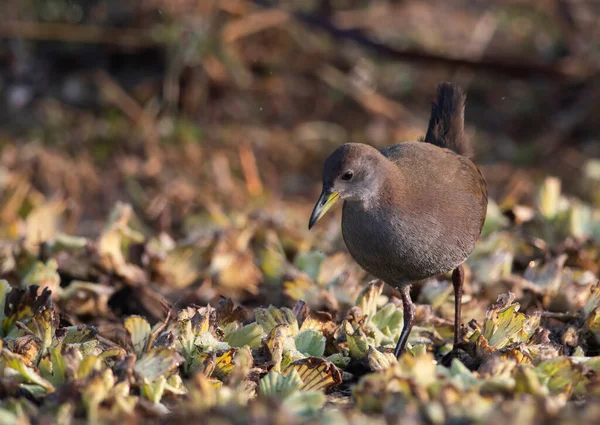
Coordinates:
[412,210]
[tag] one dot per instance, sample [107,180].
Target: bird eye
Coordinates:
[347,175]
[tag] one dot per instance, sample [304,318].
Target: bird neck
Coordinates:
[386,186]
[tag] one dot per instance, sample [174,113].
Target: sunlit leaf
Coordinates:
[549,197]
[181,266]
[44,276]
[139,330]
[316,373]
[154,390]
[208,342]
[504,324]
[270,317]
[243,363]
[275,343]
[43,223]
[224,363]
[27,374]
[368,298]
[157,362]
[378,360]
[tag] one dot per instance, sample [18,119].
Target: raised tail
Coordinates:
[447,122]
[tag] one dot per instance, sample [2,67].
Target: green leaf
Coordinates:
[339,360]
[78,334]
[389,320]
[310,263]
[358,345]
[277,384]
[310,343]
[504,324]
[27,374]
[64,242]
[558,374]
[185,336]
[59,364]
[88,365]
[43,325]
[528,381]
[154,390]
[250,335]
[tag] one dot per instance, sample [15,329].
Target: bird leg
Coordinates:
[409,319]
[458,277]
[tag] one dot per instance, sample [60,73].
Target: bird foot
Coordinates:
[457,352]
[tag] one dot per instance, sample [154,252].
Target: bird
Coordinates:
[413,210]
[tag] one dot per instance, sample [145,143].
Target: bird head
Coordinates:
[350,174]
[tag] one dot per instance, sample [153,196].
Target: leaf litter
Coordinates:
[250,321]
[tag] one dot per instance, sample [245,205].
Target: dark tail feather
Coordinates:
[447,123]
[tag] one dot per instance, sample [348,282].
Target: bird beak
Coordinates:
[326,200]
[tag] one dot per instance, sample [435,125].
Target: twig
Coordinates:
[222,173]
[215,69]
[563,317]
[370,100]
[76,33]
[250,170]
[254,23]
[235,7]
[514,68]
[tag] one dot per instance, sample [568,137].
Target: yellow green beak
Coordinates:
[326,201]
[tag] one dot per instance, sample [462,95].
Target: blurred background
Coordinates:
[198,113]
